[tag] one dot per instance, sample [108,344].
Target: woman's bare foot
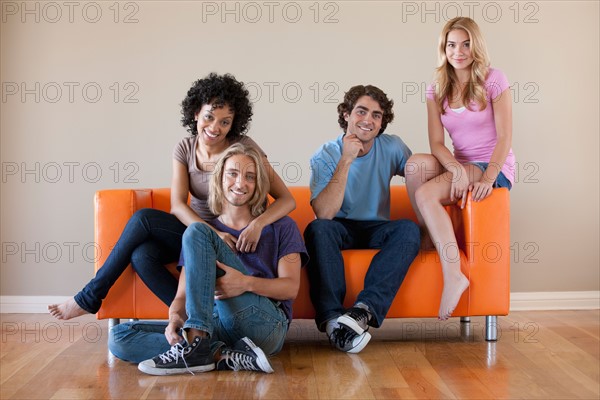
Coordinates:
[67,310]
[454,286]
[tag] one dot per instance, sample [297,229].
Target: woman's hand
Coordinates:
[249,238]
[228,238]
[173,329]
[231,284]
[481,190]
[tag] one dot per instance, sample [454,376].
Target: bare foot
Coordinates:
[67,310]
[454,287]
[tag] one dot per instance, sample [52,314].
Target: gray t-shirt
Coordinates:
[200,173]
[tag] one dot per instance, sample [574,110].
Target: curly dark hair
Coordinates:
[218,91]
[355,93]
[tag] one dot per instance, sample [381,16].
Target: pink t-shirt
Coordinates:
[473,133]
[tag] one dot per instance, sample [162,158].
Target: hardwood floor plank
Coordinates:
[31,347]
[464,384]
[339,375]
[418,372]
[554,358]
[296,360]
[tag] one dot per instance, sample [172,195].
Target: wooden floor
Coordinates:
[539,355]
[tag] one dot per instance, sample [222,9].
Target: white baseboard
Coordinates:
[28,304]
[528,301]
[520,301]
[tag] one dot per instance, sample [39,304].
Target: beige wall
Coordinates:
[92,102]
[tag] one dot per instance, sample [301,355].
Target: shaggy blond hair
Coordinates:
[445,77]
[258,201]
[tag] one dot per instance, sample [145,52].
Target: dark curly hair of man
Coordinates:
[218,91]
[355,93]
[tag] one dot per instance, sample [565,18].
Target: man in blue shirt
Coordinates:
[350,195]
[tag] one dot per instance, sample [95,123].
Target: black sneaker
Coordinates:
[345,339]
[244,356]
[196,357]
[356,318]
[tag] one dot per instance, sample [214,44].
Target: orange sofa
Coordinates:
[482,230]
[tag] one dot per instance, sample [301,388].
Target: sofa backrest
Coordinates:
[303,214]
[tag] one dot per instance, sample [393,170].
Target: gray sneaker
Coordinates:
[244,356]
[345,339]
[356,318]
[195,357]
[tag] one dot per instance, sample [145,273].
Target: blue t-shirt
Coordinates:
[367,194]
[277,240]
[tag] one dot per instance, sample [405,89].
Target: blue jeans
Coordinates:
[151,239]
[226,321]
[500,182]
[398,242]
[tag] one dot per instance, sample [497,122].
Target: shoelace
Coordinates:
[240,362]
[359,315]
[342,336]
[173,354]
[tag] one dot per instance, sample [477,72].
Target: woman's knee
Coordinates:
[146,258]
[145,213]
[430,193]
[420,168]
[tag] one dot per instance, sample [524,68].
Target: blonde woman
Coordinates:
[472,102]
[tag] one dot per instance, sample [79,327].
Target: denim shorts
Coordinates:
[501,181]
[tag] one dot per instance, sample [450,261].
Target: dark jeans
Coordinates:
[151,239]
[398,242]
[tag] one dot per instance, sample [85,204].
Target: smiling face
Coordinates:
[365,119]
[214,123]
[458,49]
[239,180]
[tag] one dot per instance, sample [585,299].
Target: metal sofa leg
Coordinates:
[112,322]
[466,333]
[491,328]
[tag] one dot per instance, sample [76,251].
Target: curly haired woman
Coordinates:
[216,112]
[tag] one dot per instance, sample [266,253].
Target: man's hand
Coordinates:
[231,284]
[229,239]
[352,146]
[173,329]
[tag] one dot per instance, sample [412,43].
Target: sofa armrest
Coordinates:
[112,209]
[487,226]
[486,229]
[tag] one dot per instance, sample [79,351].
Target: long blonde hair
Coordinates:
[445,77]
[258,202]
